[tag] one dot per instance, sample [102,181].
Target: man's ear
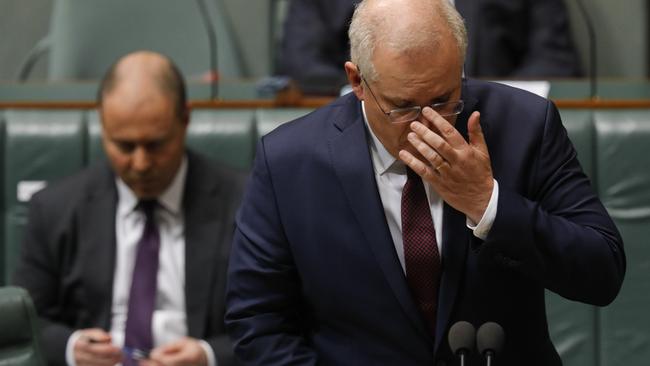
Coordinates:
[354,78]
[185,116]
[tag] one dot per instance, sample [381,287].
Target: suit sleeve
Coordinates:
[559,234]
[551,51]
[222,349]
[37,272]
[218,339]
[263,291]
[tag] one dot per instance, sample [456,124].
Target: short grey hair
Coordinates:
[367,29]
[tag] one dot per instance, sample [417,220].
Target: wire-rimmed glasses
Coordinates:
[410,114]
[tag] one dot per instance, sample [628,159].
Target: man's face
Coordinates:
[406,80]
[144,141]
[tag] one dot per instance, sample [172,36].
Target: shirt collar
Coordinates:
[381,158]
[171,199]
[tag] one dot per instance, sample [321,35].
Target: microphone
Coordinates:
[462,339]
[593,83]
[212,38]
[489,340]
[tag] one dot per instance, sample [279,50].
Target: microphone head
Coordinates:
[462,338]
[490,337]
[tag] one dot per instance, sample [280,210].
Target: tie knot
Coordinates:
[148,207]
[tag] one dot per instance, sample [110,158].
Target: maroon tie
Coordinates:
[138,338]
[421,254]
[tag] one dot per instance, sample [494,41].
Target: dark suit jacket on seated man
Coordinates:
[81,243]
[325,268]
[507,39]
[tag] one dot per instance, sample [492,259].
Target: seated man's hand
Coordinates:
[94,347]
[186,351]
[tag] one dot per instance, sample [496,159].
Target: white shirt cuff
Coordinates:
[69,348]
[209,353]
[482,229]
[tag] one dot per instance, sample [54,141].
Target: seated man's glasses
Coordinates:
[410,114]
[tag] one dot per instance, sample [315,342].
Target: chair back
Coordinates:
[86,36]
[19,345]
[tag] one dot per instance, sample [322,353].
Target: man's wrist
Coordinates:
[482,228]
[69,348]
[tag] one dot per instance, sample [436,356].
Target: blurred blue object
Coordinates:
[135,353]
[269,86]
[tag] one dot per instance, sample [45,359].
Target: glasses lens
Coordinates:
[404,115]
[449,108]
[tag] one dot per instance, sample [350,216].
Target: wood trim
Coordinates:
[315,102]
[603,103]
[309,102]
[47,105]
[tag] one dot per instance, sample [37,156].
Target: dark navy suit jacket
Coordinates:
[68,253]
[506,39]
[314,277]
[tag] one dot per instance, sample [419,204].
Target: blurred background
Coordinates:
[621,32]
[49,130]
[247,24]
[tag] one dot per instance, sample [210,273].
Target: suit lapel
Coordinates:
[203,206]
[456,239]
[97,243]
[454,253]
[352,162]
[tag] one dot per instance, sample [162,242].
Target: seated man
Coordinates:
[126,260]
[507,39]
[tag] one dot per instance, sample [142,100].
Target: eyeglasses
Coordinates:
[410,114]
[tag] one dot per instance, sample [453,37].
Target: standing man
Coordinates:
[126,260]
[372,225]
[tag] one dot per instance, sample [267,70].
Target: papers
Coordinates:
[539,87]
[26,189]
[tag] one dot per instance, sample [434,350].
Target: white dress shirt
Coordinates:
[169,321]
[390,175]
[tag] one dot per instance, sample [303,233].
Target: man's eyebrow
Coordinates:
[401,103]
[442,98]
[398,102]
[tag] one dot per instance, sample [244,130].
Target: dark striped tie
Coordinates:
[421,254]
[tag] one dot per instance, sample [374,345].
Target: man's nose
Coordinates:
[424,120]
[141,160]
[430,125]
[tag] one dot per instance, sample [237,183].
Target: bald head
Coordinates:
[403,26]
[144,121]
[140,75]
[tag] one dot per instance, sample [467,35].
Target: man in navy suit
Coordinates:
[321,269]
[506,39]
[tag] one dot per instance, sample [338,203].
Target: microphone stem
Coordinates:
[462,359]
